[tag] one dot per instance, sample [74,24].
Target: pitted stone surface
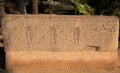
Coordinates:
[60,32]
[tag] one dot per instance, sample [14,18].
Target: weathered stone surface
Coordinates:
[59,42]
[60,32]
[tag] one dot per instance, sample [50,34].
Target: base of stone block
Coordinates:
[60,60]
[31,70]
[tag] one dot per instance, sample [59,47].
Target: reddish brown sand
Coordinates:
[117,70]
[32,69]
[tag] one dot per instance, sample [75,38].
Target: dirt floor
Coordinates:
[36,70]
[116,70]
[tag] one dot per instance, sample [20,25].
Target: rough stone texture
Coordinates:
[59,42]
[60,32]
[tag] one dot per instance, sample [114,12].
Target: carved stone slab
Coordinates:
[60,32]
[52,43]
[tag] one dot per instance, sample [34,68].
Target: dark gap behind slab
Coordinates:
[2,58]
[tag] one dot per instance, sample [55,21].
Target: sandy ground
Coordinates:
[36,70]
[116,70]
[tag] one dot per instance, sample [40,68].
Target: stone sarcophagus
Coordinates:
[60,42]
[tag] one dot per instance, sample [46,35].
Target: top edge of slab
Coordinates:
[55,15]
